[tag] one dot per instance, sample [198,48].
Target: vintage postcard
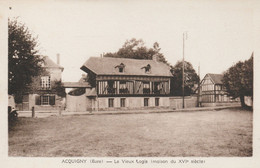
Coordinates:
[129,83]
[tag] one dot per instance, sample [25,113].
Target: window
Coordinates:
[123,87]
[121,67]
[156,87]
[157,101]
[122,102]
[218,87]
[147,68]
[111,102]
[45,82]
[122,84]
[146,101]
[115,87]
[146,89]
[111,89]
[45,100]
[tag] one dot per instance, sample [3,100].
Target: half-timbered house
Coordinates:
[212,89]
[127,83]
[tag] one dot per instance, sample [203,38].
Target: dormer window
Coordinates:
[121,67]
[147,68]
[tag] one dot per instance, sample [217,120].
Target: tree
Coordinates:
[190,77]
[58,88]
[23,61]
[137,50]
[238,80]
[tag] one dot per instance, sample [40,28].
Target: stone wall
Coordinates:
[76,103]
[220,104]
[189,102]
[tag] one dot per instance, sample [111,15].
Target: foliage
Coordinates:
[137,50]
[77,92]
[191,78]
[238,79]
[23,61]
[35,86]
[58,88]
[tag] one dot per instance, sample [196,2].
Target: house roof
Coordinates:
[216,78]
[109,66]
[48,63]
[76,85]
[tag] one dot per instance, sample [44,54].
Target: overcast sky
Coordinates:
[220,33]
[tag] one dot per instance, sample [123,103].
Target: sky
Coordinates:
[219,33]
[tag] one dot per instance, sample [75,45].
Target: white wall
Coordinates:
[47,108]
[132,102]
[76,103]
[55,74]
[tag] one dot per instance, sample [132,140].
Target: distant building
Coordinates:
[76,97]
[213,90]
[126,83]
[42,96]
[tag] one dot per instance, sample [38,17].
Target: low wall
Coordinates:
[220,104]
[81,103]
[76,103]
[189,102]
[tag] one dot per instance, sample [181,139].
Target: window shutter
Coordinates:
[37,100]
[52,100]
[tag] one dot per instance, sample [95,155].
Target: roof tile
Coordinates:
[217,78]
[48,63]
[108,66]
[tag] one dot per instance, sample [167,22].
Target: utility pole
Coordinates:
[183,74]
[199,86]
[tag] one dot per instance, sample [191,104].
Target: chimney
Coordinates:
[58,59]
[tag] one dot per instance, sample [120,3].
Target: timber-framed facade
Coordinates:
[212,89]
[127,83]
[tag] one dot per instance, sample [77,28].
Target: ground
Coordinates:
[207,133]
